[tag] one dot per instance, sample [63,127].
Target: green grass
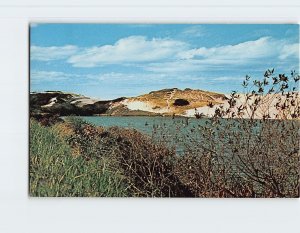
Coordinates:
[54,172]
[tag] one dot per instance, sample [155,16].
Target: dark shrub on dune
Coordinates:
[181,102]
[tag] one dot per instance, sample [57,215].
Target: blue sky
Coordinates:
[113,60]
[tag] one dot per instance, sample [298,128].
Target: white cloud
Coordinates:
[245,53]
[52,53]
[46,75]
[128,50]
[168,55]
[37,76]
[173,66]
[263,47]
[228,78]
[115,76]
[289,50]
[134,77]
[194,31]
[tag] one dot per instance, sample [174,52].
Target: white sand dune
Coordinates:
[142,106]
[81,101]
[51,103]
[266,107]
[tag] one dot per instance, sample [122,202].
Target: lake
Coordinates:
[179,133]
[171,131]
[143,124]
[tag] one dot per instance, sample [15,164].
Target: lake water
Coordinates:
[171,131]
[179,133]
[143,124]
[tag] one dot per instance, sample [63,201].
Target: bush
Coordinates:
[236,157]
[181,102]
[148,167]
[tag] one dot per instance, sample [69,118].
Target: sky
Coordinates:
[108,61]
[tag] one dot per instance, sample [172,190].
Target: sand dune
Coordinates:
[267,106]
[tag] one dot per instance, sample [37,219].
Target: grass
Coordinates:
[55,172]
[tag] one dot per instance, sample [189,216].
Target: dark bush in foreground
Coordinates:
[149,167]
[236,157]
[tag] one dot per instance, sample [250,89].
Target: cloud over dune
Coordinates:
[40,53]
[167,54]
[134,49]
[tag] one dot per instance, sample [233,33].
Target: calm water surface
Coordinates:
[179,133]
[171,131]
[144,124]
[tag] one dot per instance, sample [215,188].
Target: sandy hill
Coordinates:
[166,102]
[173,101]
[64,104]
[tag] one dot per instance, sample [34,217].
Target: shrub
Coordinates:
[181,102]
[237,157]
[148,167]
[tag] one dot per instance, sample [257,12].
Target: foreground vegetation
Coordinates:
[58,169]
[75,158]
[222,158]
